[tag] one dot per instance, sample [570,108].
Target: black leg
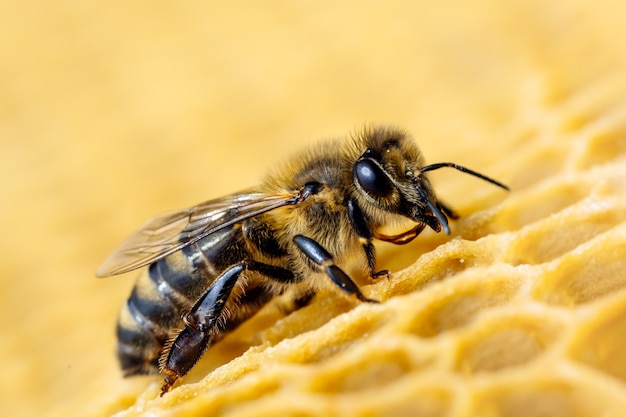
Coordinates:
[447,211]
[304,299]
[296,303]
[274,272]
[200,322]
[189,345]
[363,231]
[320,256]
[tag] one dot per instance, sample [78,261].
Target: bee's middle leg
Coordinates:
[320,256]
[201,321]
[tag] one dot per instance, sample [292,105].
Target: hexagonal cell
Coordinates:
[539,203]
[603,146]
[401,400]
[544,395]
[404,399]
[335,337]
[547,161]
[460,305]
[305,319]
[362,369]
[506,341]
[448,260]
[541,399]
[600,343]
[561,233]
[586,275]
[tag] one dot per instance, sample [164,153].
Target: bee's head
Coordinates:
[391,176]
[388,176]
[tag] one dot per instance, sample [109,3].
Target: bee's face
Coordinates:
[388,176]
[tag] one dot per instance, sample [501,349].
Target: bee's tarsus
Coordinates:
[382,273]
[345,283]
[168,382]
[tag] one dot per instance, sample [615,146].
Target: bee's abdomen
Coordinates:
[144,325]
[170,287]
[138,348]
[153,311]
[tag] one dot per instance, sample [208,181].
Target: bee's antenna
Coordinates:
[433,167]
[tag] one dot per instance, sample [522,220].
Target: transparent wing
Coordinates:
[166,234]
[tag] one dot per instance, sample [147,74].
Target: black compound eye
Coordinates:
[372,178]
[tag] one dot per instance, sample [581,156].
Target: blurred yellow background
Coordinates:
[111,112]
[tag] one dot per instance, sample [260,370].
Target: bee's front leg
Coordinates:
[451,214]
[364,232]
[320,256]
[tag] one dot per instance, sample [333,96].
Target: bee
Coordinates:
[214,265]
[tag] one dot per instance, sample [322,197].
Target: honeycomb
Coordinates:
[113,111]
[521,313]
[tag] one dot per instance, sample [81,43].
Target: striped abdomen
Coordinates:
[162,294]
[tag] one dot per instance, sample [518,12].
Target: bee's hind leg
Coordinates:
[320,256]
[189,345]
[203,318]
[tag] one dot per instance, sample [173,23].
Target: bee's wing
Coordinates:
[166,234]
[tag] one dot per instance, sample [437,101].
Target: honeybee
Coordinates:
[214,265]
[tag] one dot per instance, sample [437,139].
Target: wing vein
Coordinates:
[164,235]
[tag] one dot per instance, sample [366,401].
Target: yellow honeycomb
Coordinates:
[113,111]
[521,313]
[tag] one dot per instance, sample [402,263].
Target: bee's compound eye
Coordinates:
[372,178]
